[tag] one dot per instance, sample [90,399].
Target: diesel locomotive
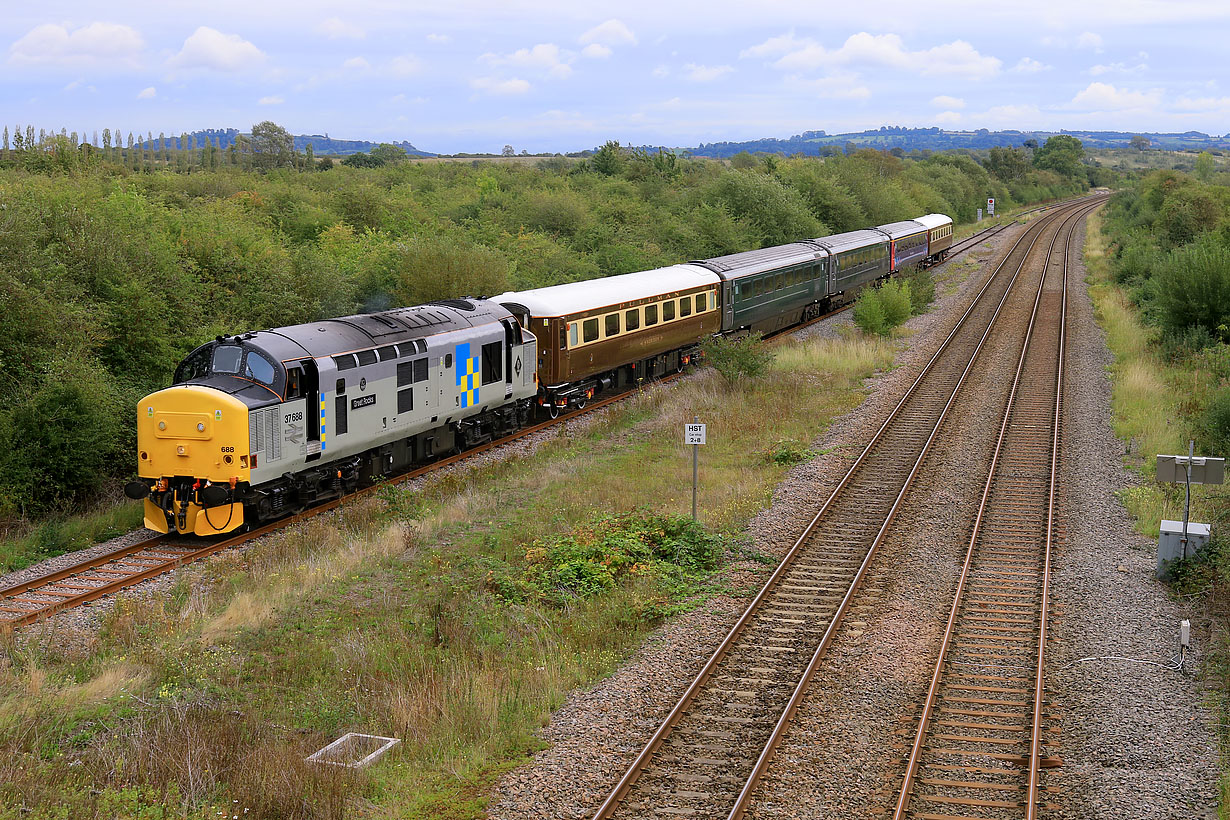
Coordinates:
[263,424]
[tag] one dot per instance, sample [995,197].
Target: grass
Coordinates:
[57,536]
[417,613]
[1153,401]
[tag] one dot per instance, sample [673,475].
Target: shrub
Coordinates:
[1193,289]
[869,314]
[736,359]
[895,297]
[922,291]
[1213,425]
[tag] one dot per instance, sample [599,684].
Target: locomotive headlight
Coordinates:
[200,427]
[162,425]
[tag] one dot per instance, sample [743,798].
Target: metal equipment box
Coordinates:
[1170,546]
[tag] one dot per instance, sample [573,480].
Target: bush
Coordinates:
[736,359]
[922,291]
[1193,289]
[880,309]
[869,314]
[1213,425]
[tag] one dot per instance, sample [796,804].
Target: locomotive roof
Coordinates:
[934,220]
[851,239]
[578,297]
[736,265]
[366,330]
[904,228]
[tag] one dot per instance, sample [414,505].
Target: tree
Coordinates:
[1204,166]
[1140,142]
[1008,163]
[608,159]
[309,157]
[273,145]
[1031,144]
[1062,154]
[6,142]
[737,358]
[388,154]
[508,151]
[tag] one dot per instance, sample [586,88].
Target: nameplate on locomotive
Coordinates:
[363,401]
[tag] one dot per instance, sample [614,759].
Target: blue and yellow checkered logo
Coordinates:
[468,372]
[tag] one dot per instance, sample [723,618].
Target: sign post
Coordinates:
[979,214]
[694,434]
[1190,469]
[990,206]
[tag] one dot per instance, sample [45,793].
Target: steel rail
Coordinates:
[633,772]
[800,690]
[938,673]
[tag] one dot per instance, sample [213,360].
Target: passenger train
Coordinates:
[263,424]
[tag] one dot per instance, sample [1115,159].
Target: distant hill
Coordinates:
[815,143]
[321,145]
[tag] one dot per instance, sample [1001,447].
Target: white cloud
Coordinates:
[270,101]
[1202,105]
[705,74]
[1013,116]
[943,101]
[957,58]
[833,87]
[405,64]
[596,51]
[662,71]
[610,33]
[500,87]
[947,117]
[1118,68]
[211,49]
[1090,40]
[439,38]
[336,28]
[147,93]
[356,64]
[545,58]
[94,45]
[1028,65]
[1104,97]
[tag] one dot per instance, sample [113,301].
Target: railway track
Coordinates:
[39,598]
[706,758]
[980,743]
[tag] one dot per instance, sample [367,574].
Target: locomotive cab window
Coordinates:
[612,324]
[492,363]
[195,366]
[258,368]
[226,358]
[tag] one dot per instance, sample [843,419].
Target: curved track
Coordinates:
[39,598]
[706,758]
[979,746]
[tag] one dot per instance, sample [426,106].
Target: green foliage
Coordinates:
[789,452]
[922,291]
[880,309]
[1213,425]
[594,559]
[1062,154]
[737,358]
[1193,289]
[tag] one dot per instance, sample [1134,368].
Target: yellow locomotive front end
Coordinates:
[192,444]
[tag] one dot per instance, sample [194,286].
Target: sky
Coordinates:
[540,75]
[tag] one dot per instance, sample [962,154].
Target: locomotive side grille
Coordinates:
[256,436]
[273,430]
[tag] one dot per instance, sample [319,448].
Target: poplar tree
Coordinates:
[309,157]
[106,142]
[6,142]
[119,144]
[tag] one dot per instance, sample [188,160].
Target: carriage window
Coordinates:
[668,310]
[632,319]
[685,306]
[779,282]
[493,360]
[226,359]
[651,315]
[572,335]
[591,329]
[612,324]
[259,368]
[700,303]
